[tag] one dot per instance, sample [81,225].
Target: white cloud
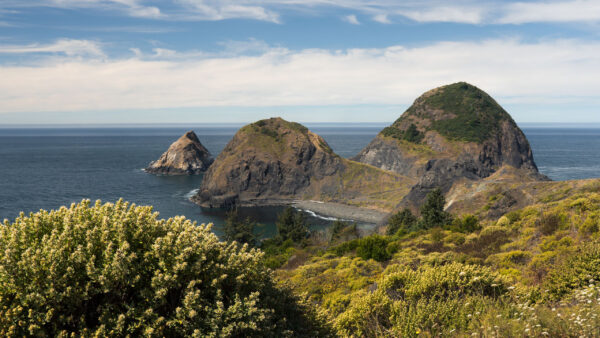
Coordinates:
[352,19]
[471,15]
[64,46]
[509,69]
[382,18]
[556,11]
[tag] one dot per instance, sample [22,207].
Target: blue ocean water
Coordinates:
[45,168]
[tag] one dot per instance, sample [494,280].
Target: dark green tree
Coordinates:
[403,220]
[240,230]
[412,134]
[291,224]
[432,211]
[343,231]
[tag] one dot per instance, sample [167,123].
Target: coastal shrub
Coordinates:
[579,269]
[430,300]
[548,223]
[291,224]
[117,270]
[373,247]
[466,224]
[401,222]
[411,134]
[242,231]
[432,211]
[343,231]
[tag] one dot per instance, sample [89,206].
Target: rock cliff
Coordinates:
[186,156]
[274,161]
[450,134]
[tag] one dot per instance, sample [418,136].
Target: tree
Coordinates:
[432,211]
[343,231]
[403,220]
[242,231]
[291,224]
[412,134]
[117,270]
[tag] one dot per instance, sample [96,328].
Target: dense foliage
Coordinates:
[478,115]
[291,224]
[240,230]
[411,134]
[116,270]
[403,221]
[432,211]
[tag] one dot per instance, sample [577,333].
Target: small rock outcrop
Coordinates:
[186,156]
[450,134]
[269,160]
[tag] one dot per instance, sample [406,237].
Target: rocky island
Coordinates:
[274,161]
[456,138]
[186,156]
[451,134]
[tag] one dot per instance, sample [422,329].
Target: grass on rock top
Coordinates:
[476,115]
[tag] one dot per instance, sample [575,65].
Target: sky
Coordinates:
[210,61]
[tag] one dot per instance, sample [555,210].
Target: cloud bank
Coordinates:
[510,69]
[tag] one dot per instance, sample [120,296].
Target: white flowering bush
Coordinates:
[117,270]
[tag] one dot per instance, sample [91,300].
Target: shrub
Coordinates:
[403,221]
[241,231]
[468,223]
[549,223]
[343,231]
[579,269]
[432,211]
[431,300]
[291,224]
[116,270]
[373,247]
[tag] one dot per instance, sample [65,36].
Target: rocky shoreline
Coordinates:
[324,209]
[342,211]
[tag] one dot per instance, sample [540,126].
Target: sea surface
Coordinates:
[47,167]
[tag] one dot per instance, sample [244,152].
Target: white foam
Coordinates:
[327,218]
[191,194]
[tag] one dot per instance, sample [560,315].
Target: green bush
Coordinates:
[403,221]
[291,224]
[432,211]
[579,269]
[242,231]
[467,224]
[411,134]
[116,270]
[373,247]
[430,300]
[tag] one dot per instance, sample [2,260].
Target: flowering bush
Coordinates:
[116,270]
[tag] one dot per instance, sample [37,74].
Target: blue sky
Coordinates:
[204,61]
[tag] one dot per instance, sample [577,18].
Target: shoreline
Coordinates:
[341,211]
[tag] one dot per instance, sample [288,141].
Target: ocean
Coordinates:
[47,167]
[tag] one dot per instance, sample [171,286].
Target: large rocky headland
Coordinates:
[455,137]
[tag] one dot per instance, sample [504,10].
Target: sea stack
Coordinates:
[186,156]
[451,133]
[267,160]
[274,161]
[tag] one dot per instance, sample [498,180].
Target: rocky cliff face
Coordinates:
[451,133]
[274,161]
[186,156]
[268,160]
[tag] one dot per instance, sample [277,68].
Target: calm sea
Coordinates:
[44,168]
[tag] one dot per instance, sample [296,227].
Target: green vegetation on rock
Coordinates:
[466,113]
